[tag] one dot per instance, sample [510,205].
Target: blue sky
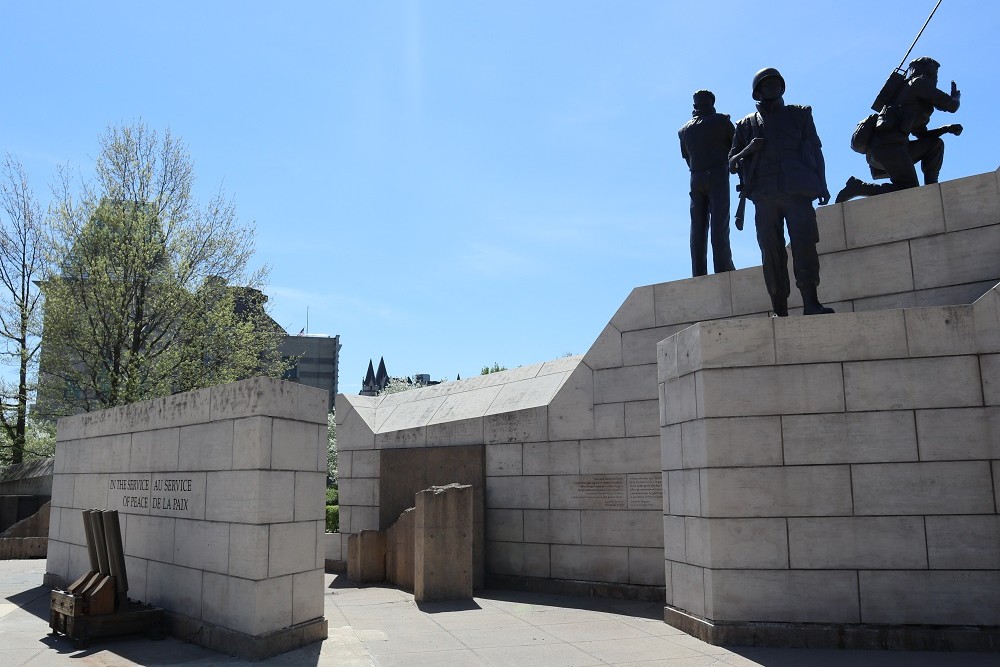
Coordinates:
[450,184]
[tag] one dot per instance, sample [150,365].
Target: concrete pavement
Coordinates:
[382,626]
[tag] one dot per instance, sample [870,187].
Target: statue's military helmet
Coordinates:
[924,65]
[766,73]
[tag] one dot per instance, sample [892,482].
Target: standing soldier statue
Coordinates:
[891,153]
[783,171]
[705,142]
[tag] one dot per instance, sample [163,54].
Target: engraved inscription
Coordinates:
[645,491]
[600,491]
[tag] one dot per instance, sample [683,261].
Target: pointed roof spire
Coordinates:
[369,376]
[381,377]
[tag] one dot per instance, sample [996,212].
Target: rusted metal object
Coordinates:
[97,604]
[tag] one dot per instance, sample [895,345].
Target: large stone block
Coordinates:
[693,300]
[590,563]
[749,293]
[899,215]
[963,542]
[253,607]
[609,420]
[248,550]
[104,454]
[551,458]
[571,410]
[294,445]
[848,543]
[155,451]
[830,220]
[620,455]
[639,347]
[775,492]
[645,566]
[270,398]
[743,342]
[152,538]
[250,496]
[552,526]
[502,460]
[736,543]
[452,433]
[529,425]
[91,491]
[683,492]
[442,541]
[310,496]
[642,418]
[941,331]
[925,298]
[637,312]
[930,597]
[366,556]
[969,202]
[307,596]
[986,315]
[399,550]
[671,448]
[252,443]
[851,274]
[291,548]
[606,351]
[357,491]
[176,588]
[731,441]
[901,384]
[849,336]
[476,403]
[959,257]
[356,432]
[206,446]
[679,400]
[784,596]
[674,538]
[201,545]
[687,584]
[518,558]
[505,526]
[858,437]
[963,487]
[633,528]
[959,434]
[517,492]
[770,390]
[990,364]
[62,490]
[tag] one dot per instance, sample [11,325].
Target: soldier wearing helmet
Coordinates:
[705,142]
[789,173]
[892,154]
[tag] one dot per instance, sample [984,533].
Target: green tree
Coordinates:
[144,303]
[22,264]
[495,368]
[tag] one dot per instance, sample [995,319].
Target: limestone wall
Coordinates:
[838,469]
[574,490]
[221,500]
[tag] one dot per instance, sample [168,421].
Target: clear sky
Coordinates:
[450,184]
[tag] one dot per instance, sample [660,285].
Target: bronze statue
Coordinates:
[705,142]
[891,153]
[783,171]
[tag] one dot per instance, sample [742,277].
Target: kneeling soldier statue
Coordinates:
[783,171]
[891,153]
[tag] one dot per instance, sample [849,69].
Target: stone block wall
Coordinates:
[221,500]
[833,470]
[574,493]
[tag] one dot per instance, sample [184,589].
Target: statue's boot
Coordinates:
[855,187]
[780,306]
[810,302]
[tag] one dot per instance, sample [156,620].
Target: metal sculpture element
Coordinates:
[891,153]
[787,173]
[705,142]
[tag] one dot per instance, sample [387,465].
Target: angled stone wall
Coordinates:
[220,496]
[575,490]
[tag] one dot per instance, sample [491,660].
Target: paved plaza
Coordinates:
[380,625]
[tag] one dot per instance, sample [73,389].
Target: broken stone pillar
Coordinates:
[442,537]
[366,557]
[399,551]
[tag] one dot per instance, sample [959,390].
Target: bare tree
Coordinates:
[152,294]
[22,264]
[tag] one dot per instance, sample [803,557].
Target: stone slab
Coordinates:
[848,543]
[901,384]
[899,215]
[776,491]
[860,437]
[925,488]
[969,202]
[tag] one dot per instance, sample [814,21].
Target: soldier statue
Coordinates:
[705,142]
[891,153]
[782,169]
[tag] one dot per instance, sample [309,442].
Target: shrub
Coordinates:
[332,497]
[333,518]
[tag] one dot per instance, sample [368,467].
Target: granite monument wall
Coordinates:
[220,494]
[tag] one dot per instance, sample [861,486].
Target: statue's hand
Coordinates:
[956,94]
[824,197]
[756,144]
[955,129]
[734,164]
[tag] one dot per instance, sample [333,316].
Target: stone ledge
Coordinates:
[840,636]
[596,589]
[242,645]
[15,548]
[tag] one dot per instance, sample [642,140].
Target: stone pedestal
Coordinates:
[399,551]
[366,557]
[443,544]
